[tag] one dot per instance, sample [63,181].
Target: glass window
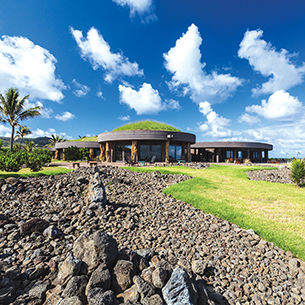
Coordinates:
[178,152]
[119,152]
[229,154]
[240,154]
[127,151]
[144,152]
[172,151]
[156,151]
[97,152]
[255,155]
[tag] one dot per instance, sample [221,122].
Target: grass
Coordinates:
[147,125]
[274,211]
[89,139]
[26,172]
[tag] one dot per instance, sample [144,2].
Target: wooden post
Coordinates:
[63,155]
[167,151]
[56,154]
[102,155]
[134,151]
[188,152]
[108,152]
[91,153]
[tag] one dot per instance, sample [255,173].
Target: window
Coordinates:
[229,154]
[144,152]
[175,152]
[240,155]
[148,151]
[156,150]
[255,155]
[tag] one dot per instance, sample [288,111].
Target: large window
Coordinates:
[229,154]
[175,152]
[122,152]
[255,155]
[240,154]
[149,151]
[144,152]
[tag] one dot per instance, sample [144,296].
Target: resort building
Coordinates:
[230,151]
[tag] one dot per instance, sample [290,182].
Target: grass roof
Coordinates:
[85,139]
[147,125]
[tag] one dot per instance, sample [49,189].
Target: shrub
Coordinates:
[37,158]
[297,171]
[12,161]
[73,153]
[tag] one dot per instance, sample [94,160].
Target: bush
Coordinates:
[12,161]
[297,171]
[37,158]
[73,153]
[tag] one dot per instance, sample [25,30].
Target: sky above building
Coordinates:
[223,70]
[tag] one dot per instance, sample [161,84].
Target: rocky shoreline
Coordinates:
[47,224]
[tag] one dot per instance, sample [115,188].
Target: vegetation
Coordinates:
[26,172]
[21,133]
[55,138]
[147,125]
[297,171]
[73,153]
[12,110]
[40,142]
[274,211]
[83,139]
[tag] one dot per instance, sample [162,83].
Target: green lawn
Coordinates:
[26,172]
[274,211]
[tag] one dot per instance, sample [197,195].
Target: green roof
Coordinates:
[147,125]
[90,139]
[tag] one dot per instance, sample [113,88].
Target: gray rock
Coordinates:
[122,275]
[159,277]
[153,300]
[7,295]
[198,267]
[51,232]
[96,190]
[180,289]
[71,301]
[100,278]
[144,288]
[38,291]
[76,287]
[97,296]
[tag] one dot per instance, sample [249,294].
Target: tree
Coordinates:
[55,138]
[22,132]
[12,110]
[29,145]
[297,171]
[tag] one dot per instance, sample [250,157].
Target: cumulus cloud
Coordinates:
[45,112]
[250,119]
[184,62]
[280,106]
[81,90]
[124,118]
[65,116]
[266,60]
[5,131]
[99,94]
[42,133]
[144,8]
[215,125]
[95,49]
[144,101]
[172,104]
[30,68]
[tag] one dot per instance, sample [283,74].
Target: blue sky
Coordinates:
[224,70]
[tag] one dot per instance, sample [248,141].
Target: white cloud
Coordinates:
[45,112]
[145,101]
[144,8]
[65,116]
[215,126]
[124,118]
[97,51]
[264,59]
[82,89]
[184,62]
[250,119]
[172,104]
[280,106]
[99,94]
[42,133]
[5,131]
[30,68]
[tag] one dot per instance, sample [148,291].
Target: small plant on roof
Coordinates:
[297,171]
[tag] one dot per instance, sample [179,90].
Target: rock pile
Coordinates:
[280,175]
[55,249]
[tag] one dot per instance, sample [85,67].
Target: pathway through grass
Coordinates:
[275,211]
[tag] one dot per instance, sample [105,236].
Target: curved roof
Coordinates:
[232,145]
[79,144]
[146,135]
[147,125]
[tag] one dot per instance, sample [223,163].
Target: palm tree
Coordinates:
[22,132]
[12,110]
[29,145]
[55,138]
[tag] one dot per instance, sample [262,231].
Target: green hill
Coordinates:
[41,141]
[147,125]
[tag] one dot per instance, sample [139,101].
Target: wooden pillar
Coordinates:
[188,152]
[134,151]
[63,155]
[266,156]
[91,154]
[56,154]
[108,152]
[102,155]
[167,151]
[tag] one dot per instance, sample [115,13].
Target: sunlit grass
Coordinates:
[275,211]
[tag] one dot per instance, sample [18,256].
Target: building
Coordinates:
[231,151]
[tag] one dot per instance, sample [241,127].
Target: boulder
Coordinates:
[122,275]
